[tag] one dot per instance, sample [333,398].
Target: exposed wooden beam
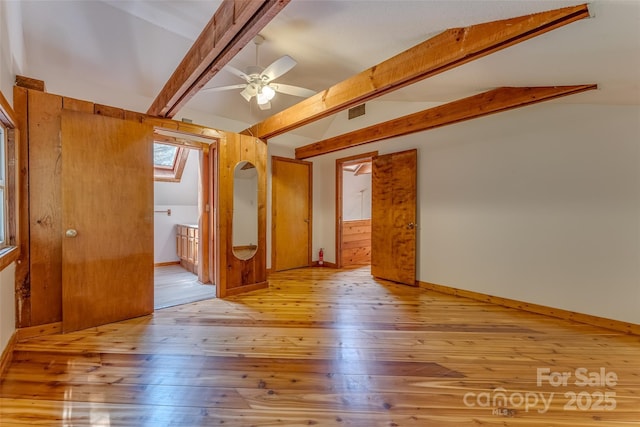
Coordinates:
[235,23]
[445,51]
[491,102]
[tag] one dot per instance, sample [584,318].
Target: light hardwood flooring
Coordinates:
[173,285]
[328,348]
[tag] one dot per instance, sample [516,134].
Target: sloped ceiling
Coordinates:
[122,52]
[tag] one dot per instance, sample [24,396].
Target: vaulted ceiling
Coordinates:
[123,52]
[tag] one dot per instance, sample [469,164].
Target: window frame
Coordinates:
[10,251]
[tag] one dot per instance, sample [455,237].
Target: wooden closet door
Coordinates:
[291,213]
[393,217]
[107,208]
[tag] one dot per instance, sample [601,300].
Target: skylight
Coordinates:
[168,162]
[164,155]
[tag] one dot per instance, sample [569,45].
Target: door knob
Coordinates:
[71,233]
[411,225]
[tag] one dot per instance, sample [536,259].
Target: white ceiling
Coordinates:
[124,51]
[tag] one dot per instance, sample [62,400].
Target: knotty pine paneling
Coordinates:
[356,242]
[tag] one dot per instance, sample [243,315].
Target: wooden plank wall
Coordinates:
[39,268]
[234,275]
[356,242]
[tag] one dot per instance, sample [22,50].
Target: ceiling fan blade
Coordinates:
[221,88]
[236,72]
[278,67]
[246,94]
[293,90]
[265,106]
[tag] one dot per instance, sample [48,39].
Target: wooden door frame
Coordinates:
[340,163]
[206,196]
[274,204]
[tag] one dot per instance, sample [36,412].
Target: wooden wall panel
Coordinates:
[234,275]
[22,278]
[45,207]
[356,242]
[39,270]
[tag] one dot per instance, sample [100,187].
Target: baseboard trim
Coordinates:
[7,354]
[326,264]
[164,264]
[603,322]
[40,330]
[247,288]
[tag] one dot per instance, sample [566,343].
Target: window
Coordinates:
[8,189]
[168,162]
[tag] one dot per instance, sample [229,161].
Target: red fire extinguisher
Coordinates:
[321,257]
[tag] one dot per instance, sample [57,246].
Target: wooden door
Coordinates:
[291,213]
[393,217]
[107,203]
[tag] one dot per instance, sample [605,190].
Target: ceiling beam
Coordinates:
[483,104]
[445,51]
[235,23]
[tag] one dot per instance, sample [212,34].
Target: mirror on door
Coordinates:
[245,210]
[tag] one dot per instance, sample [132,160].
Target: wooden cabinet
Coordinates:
[187,246]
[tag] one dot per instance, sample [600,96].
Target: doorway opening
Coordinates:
[353,210]
[181,220]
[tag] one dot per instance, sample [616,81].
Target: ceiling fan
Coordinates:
[260,82]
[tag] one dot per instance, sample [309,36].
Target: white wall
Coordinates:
[356,196]
[182,198]
[11,46]
[540,204]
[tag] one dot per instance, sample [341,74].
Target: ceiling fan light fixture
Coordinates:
[265,95]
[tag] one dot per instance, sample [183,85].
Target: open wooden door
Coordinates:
[393,217]
[107,208]
[291,213]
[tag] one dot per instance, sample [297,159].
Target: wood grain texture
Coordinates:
[356,242]
[107,269]
[45,207]
[472,107]
[22,277]
[204,203]
[38,272]
[30,83]
[393,216]
[447,50]
[234,24]
[235,275]
[319,347]
[291,213]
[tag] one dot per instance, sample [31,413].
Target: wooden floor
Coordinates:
[327,348]
[173,285]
